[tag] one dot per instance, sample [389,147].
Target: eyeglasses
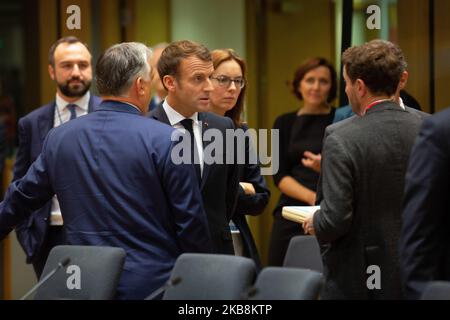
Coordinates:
[224,81]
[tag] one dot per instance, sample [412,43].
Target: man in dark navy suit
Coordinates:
[425,236]
[116,180]
[185,68]
[70,68]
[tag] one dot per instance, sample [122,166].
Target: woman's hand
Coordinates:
[312,161]
[248,188]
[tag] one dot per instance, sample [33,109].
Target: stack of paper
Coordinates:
[298,213]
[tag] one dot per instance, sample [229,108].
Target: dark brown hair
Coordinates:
[309,65]
[175,52]
[379,63]
[68,40]
[220,56]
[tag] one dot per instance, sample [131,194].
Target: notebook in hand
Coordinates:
[298,213]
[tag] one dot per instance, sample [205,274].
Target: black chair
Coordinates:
[210,277]
[304,252]
[437,290]
[92,273]
[280,283]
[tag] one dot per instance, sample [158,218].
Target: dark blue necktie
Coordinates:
[187,124]
[72,108]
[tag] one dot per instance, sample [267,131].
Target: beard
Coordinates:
[71,89]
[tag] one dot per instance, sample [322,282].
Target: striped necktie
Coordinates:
[72,108]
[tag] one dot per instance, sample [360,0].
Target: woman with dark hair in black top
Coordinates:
[301,134]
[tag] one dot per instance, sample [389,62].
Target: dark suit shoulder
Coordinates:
[441,119]
[47,109]
[152,113]
[340,124]
[216,121]
[94,102]
[357,131]
[417,113]
[154,125]
[437,126]
[134,122]
[42,110]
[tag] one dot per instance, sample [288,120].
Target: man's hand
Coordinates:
[312,161]
[308,225]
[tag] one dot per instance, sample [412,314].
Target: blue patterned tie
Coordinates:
[72,108]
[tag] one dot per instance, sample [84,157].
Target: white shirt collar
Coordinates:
[175,117]
[83,102]
[401,103]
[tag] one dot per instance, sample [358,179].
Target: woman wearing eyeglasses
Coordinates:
[301,134]
[227,99]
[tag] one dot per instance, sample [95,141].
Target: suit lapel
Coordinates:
[159,114]
[46,121]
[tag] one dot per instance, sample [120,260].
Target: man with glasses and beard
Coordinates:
[70,68]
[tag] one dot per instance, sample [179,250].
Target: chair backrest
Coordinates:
[304,252]
[281,283]
[92,273]
[210,277]
[437,290]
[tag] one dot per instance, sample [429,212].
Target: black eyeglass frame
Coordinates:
[224,81]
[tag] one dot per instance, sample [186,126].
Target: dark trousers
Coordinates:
[249,244]
[282,232]
[54,237]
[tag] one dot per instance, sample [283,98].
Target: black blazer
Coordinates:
[33,129]
[425,236]
[250,204]
[220,183]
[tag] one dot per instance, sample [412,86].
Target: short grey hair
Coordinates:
[120,65]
